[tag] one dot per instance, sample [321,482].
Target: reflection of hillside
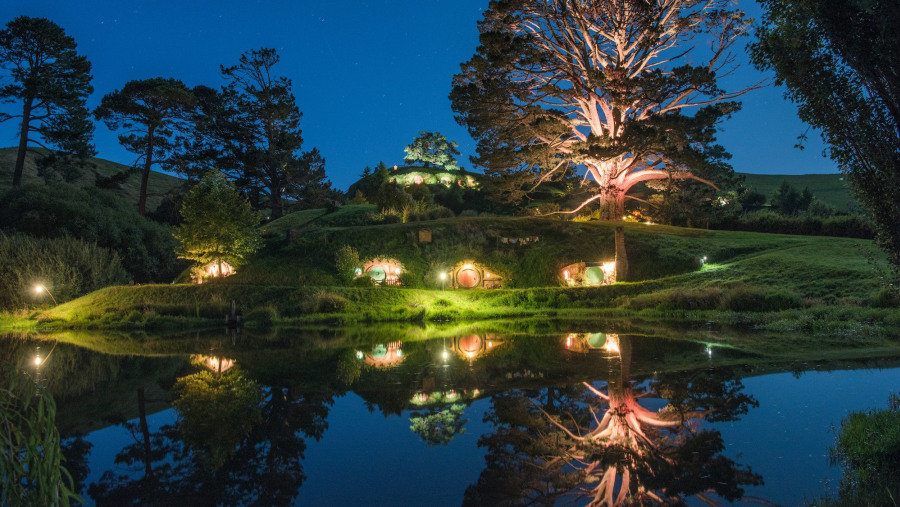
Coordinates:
[90,388]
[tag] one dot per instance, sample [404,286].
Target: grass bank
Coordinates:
[762,281]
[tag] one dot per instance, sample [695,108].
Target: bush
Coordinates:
[326,302]
[868,447]
[346,261]
[746,299]
[68,267]
[57,210]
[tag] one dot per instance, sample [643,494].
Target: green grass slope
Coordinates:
[777,282]
[158,185]
[832,189]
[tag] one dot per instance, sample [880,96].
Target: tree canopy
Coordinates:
[250,131]
[599,88]
[432,148]
[43,73]
[151,112]
[219,224]
[840,62]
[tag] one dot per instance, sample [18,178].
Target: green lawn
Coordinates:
[158,185]
[832,189]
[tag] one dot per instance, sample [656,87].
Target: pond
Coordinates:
[416,417]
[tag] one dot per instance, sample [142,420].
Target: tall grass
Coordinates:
[67,267]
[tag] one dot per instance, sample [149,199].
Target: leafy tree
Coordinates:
[219,225]
[152,112]
[431,148]
[788,201]
[251,132]
[51,82]
[839,62]
[603,88]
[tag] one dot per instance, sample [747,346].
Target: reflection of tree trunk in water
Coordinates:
[145,429]
[621,256]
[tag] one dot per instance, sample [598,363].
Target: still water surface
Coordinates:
[474,419]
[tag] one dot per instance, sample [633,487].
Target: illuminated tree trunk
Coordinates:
[621,256]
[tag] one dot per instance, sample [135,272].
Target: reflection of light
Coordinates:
[709,351]
[218,364]
[612,343]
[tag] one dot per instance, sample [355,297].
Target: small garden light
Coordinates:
[40,288]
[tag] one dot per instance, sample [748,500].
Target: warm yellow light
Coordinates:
[566,274]
[38,288]
[467,266]
[608,267]
[37,360]
[443,276]
[445,355]
[487,275]
[397,271]
[490,345]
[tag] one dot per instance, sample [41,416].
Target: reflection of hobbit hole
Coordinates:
[382,271]
[584,342]
[472,346]
[590,273]
[471,275]
[384,355]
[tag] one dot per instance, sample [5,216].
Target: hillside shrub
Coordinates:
[68,267]
[868,448]
[807,224]
[57,210]
[747,299]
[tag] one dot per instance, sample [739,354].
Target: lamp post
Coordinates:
[443,279]
[40,288]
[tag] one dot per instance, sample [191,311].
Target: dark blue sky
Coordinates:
[368,75]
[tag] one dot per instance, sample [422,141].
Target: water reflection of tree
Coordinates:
[604,446]
[234,443]
[439,425]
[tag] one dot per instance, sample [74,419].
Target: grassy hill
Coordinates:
[769,281]
[157,187]
[832,189]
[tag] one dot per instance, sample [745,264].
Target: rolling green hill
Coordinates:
[158,186]
[832,189]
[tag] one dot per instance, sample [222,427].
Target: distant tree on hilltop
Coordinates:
[432,148]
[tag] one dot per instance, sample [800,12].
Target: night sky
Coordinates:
[368,75]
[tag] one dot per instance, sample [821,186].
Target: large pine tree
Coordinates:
[50,82]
